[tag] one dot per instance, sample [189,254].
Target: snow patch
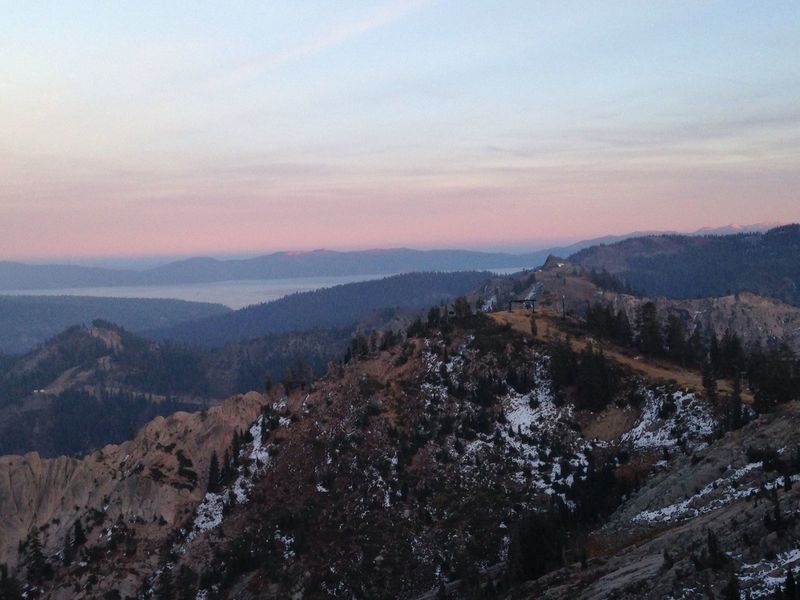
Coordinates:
[669,419]
[765,576]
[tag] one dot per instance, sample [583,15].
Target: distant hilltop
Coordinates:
[680,266]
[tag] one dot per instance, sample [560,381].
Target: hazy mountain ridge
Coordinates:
[336,306]
[685,267]
[27,321]
[273,266]
[19,276]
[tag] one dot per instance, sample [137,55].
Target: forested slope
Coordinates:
[688,267]
[338,306]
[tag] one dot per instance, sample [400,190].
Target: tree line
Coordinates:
[772,374]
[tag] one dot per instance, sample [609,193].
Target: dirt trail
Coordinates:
[548,328]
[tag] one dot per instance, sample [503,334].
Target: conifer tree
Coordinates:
[622,329]
[695,348]
[264,428]
[166,590]
[186,583]
[38,568]
[714,354]
[732,589]
[236,448]
[676,340]
[213,473]
[9,586]
[650,341]
[790,591]
[735,420]
[78,535]
[227,466]
[288,380]
[787,477]
[709,381]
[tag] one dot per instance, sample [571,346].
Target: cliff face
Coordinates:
[755,319]
[152,481]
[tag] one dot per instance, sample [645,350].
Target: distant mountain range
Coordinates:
[19,276]
[94,384]
[27,321]
[678,266]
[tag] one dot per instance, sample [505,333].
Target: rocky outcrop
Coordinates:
[755,319]
[152,481]
[721,513]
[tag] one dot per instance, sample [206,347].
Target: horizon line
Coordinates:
[512,248]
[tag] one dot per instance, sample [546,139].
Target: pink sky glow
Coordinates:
[155,131]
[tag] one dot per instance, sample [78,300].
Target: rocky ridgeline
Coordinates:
[559,284]
[445,464]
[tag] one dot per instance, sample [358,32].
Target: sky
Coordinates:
[176,128]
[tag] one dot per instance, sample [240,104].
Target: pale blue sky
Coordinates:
[189,127]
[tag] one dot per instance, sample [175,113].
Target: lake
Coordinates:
[235,294]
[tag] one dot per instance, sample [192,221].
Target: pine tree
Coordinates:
[236,448]
[38,568]
[717,558]
[9,586]
[213,473]
[709,382]
[462,307]
[676,340]
[227,466]
[650,341]
[695,349]
[264,428]
[186,583]
[622,329]
[288,380]
[78,535]
[732,359]
[732,589]
[714,354]
[360,344]
[790,590]
[166,590]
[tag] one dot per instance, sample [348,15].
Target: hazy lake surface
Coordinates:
[235,294]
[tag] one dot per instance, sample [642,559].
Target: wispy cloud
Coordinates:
[381,16]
